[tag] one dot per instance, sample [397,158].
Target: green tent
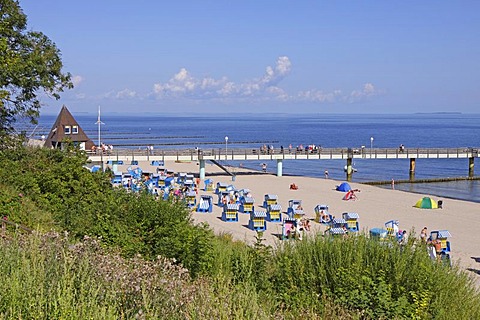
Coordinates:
[426,203]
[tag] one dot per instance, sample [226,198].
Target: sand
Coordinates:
[374,205]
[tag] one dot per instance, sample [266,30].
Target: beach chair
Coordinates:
[352,221]
[181,177]
[191,199]
[246,204]
[244,193]
[136,173]
[274,213]
[378,233]
[295,209]
[339,223]
[117,178]
[269,200]
[392,227]
[161,181]
[289,228]
[169,181]
[335,232]
[126,179]
[230,212]
[258,220]
[223,198]
[205,204]
[322,215]
[221,186]
[443,236]
[189,184]
[208,185]
[136,187]
[155,178]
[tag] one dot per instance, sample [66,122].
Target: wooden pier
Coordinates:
[246,154]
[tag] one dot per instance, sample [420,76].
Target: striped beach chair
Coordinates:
[191,199]
[352,221]
[288,227]
[258,220]
[230,212]
[269,200]
[221,187]
[246,205]
[392,227]
[322,215]
[205,204]
[274,213]
[339,223]
[335,232]
[293,207]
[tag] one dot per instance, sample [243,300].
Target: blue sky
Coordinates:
[267,56]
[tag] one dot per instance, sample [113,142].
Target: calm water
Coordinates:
[415,130]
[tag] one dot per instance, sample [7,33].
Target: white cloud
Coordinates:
[319,96]
[121,95]
[126,94]
[76,80]
[368,90]
[183,84]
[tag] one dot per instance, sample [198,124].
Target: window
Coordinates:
[75,129]
[67,130]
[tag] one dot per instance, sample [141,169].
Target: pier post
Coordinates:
[412,169]
[202,169]
[349,169]
[471,166]
[279,167]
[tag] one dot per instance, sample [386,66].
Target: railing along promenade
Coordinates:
[246,154]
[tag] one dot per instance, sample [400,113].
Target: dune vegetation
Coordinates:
[100,252]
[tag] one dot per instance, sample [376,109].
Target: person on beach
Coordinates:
[424,235]
[437,245]
[326,174]
[264,167]
[403,240]
[393,184]
[306,224]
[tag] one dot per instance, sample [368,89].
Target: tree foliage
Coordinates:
[30,63]
[84,203]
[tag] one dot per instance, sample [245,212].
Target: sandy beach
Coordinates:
[374,205]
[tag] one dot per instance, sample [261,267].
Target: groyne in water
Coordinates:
[431,180]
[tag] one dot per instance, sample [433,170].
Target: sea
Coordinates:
[421,130]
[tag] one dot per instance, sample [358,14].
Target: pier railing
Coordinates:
[262,154]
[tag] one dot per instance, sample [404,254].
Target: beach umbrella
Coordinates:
[344,187]
[426,203]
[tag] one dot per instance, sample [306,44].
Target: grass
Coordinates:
[46,276]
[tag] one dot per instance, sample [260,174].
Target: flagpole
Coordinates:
[99,122]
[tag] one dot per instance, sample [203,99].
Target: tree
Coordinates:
[30,63]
